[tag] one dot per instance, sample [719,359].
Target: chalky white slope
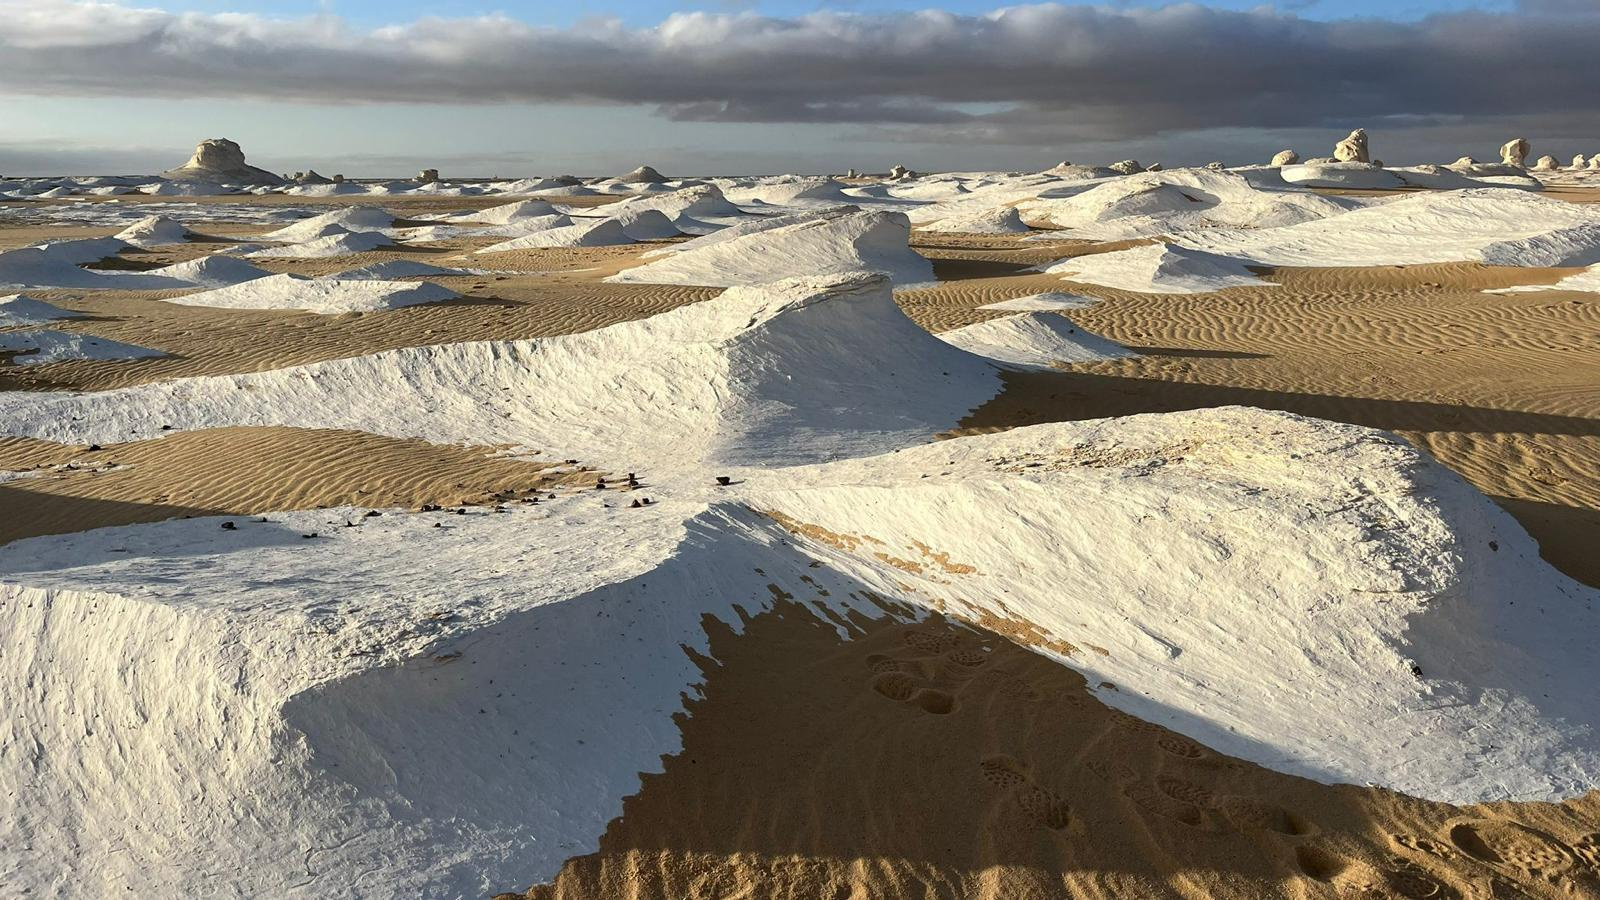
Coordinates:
[796,371]
[319,295]
[1498,226]
[19,309]
[832,242]
[1584,280]
[1160,539]
[48,346]
[1033,340]
[1180,200]
[1158,269]
[357,742]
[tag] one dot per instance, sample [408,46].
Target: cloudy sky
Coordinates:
[723,86]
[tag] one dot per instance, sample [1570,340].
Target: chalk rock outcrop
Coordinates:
[1216,165]
[1353,148]
[1127,167]
[1285,158]
[1514,152]
[311,177]
[1546,163]
[220,161]
[643,175]
[428,176]
[1153,167]
[901,173]
[1594,161]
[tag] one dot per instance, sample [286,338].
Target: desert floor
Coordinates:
[942,759]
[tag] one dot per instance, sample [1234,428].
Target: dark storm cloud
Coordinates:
[1022,74]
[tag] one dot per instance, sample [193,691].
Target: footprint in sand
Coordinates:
[930,642]
[1423,845]
[1251,814]
[1155,802]
[1112,769]
[1010,686]
[1180,746]
[1039,805]
[971,658]
[902,688]
[1353,878]
[1588,850]
[1510,844]
[1184,791]
[895,686]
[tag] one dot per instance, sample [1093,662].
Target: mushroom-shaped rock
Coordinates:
[1127,167]
[220,161]
[1594,161]
[1546,163]
[1353,148]
[1514,152]
[1578,161]
[1285,158]
[643,175]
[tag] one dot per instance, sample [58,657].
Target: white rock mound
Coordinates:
[31,348]
[319,295]
[18,310]
[339,221]
[643,175]
[1284,158]
[587,233]
[997,220]
[1546,163]
[750,377]
[1043,302]
[1159,269]
[829,243]
[220,161]
[1126,167]
[1515,152]
[1491,225]
[1353,148]
[155,231]
[1033,340]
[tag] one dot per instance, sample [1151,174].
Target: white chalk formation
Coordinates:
[1353,148]
[220,161]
